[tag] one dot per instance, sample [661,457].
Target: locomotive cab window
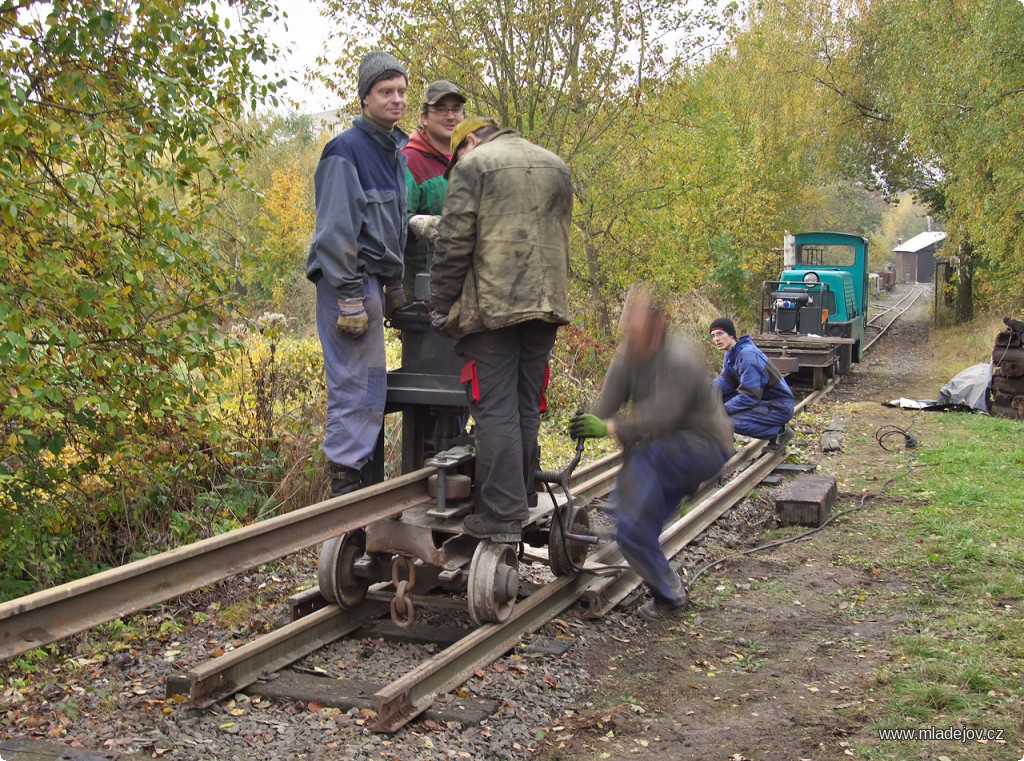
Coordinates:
[825,255]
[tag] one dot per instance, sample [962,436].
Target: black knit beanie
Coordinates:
[374,66]
[723,323]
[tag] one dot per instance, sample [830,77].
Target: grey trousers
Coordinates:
[356,374]
[504,377]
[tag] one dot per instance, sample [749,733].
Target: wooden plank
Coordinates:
[347,694]
[26,749]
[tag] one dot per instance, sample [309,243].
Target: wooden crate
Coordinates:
[807,501]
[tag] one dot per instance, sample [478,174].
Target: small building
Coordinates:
[915,259]
[330,122]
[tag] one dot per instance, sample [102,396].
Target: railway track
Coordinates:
[405,698]
[53,614]
[885,316]
[56,613]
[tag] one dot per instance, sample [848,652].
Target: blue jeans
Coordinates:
[356,374]
[656,475]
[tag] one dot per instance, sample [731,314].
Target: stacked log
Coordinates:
[1008,371]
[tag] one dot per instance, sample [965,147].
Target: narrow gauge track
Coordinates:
[53,614]
[892,312]
[405,698]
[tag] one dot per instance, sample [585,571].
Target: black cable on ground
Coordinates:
[708,566]
[906,440]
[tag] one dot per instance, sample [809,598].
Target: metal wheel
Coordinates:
[564,553]
[336,571]
[493,582]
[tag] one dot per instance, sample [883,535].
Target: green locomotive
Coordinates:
[814,316]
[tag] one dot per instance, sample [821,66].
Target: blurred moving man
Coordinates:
[657,399]
[499,285]
[428,152]
[756,396]
[355,260]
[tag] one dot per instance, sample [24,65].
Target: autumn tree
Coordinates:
[118,140]
[737,153]
[936,92]
[575,76]
[269,219]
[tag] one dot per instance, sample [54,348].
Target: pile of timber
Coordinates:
[1008,371]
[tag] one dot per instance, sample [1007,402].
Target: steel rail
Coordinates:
[916,294]
[215,679]
[403,700]
[52,614]
[883,311]
[225,675]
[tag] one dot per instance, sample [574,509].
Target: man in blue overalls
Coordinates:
[355,261]
[756,396]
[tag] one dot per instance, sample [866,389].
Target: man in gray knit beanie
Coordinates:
[356,262]
[375,65]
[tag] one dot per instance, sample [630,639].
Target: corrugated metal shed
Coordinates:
[920,241]
[915,259]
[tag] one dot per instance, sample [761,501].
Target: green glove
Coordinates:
[583,426]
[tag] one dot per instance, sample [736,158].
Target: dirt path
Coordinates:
[776,659]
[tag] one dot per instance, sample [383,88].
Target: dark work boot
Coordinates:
[661,610]
[343,479]
[778,442]
[486,527]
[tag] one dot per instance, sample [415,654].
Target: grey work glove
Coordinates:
[352,318]
[424,226]
[438,319]
[394,299]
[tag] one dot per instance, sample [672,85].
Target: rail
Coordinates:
[52,614]
[404,699]
[896,311]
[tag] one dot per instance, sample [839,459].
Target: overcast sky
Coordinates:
[306,34]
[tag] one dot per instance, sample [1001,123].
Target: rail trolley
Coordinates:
[424,550]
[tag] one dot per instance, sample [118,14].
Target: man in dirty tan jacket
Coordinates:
[499,287]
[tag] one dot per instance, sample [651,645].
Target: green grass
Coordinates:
[961,660]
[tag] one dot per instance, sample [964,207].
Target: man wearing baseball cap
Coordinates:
[499,287]
[756,396]
[428,153]
[355,260]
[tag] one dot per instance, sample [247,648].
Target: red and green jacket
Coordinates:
[426,188]
[424,179]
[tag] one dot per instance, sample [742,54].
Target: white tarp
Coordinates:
[968,388]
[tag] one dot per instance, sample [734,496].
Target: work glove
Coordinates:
[424,226]
[394,299]
[352,319]
[438,319]
[584,426]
